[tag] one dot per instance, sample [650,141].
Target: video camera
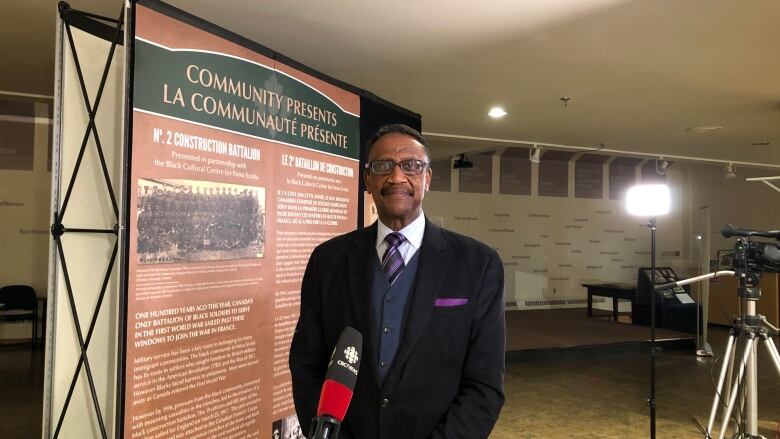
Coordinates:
[751,255]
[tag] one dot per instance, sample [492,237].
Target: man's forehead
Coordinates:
[395,143]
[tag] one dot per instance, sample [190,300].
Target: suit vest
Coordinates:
[388,306]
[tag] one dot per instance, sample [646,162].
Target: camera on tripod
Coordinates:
[751,258]
[738,372]
[757,255]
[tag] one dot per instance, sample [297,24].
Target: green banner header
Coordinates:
[227,92]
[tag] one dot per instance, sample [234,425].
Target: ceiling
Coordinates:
[638,73]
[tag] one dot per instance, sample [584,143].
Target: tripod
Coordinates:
[751,328]
[750,260]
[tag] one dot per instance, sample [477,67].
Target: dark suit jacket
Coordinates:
[446,380]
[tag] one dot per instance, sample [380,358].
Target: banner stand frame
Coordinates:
[69,17]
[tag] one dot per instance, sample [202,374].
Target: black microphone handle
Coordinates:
[728,231]
[324,427]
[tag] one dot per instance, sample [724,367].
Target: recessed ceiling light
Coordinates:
[497,112]
[704,129]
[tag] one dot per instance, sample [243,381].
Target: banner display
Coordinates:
[554,174]
[441,180]
[589,176]
[17,132]
[515,172]
[240,166]
[478,179]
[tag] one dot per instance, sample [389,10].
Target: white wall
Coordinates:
[751,205]
[24,210]
[541,266]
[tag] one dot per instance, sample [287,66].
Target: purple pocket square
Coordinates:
[451,301]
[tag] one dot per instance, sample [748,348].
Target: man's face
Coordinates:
[398,196]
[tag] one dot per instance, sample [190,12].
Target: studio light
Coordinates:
[650,200]
[535,153]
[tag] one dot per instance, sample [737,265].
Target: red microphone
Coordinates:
[339,383]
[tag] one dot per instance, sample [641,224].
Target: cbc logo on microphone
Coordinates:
[351,355]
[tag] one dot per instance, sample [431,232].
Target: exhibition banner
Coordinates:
[515,172]
[17,132]
[589,176]
[554,174]
[479,178]
[240,166]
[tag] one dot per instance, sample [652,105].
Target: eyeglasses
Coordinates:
[408,167]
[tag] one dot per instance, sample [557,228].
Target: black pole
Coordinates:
[651,400]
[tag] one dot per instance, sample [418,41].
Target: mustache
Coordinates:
[387,190]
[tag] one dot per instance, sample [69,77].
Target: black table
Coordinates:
[610,289]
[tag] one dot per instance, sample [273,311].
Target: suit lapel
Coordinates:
[359,270]
[430,274]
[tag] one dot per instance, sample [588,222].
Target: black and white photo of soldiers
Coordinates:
[185,220]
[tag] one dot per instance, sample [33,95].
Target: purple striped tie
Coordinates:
[392,261]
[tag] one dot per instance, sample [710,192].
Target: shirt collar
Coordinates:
[413,232]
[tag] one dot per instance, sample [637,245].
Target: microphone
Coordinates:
[339,383]
[728,231]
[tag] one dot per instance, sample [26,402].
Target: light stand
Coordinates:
[650,200]
[653,349]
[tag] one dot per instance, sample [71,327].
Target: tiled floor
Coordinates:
[21,391]
[604,397]
[598,397]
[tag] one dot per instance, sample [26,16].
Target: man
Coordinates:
[428,302]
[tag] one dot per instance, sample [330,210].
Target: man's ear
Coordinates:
[366,178]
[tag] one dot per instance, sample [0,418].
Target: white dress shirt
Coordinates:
[412,232]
